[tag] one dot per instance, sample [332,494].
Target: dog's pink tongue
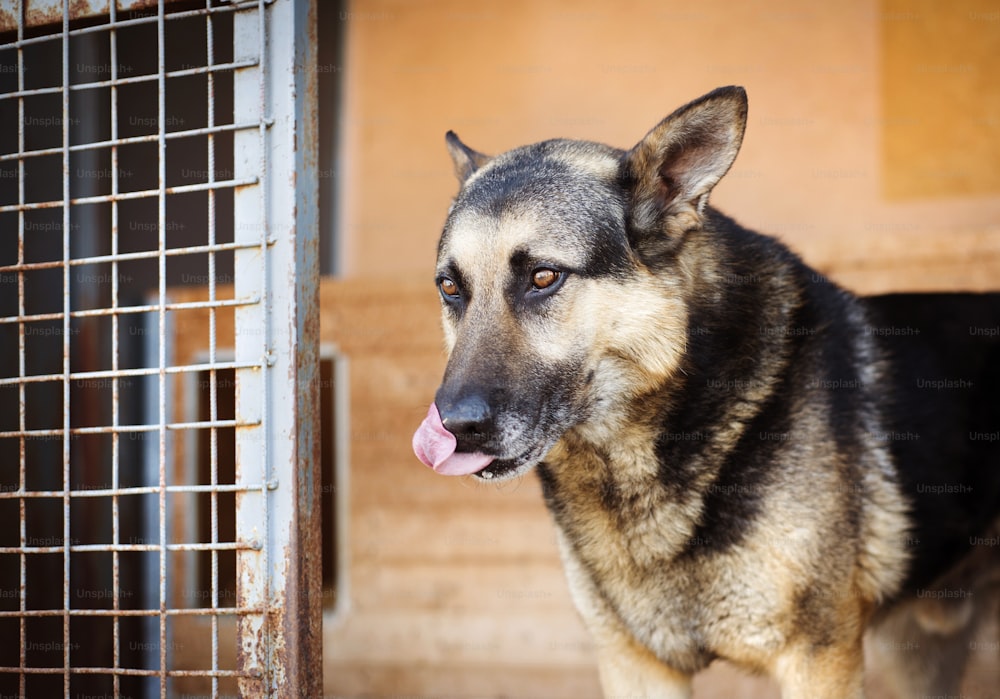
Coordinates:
[435,446]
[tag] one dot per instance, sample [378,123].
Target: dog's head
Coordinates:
[562,290]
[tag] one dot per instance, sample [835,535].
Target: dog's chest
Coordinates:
[686,612]
[624,568]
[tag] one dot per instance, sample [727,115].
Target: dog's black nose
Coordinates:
[468,418]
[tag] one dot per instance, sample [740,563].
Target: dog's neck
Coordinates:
[648,465]
[612,489]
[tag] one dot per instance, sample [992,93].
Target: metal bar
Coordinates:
[213,448]
[263,661]
[66,345]
[28,19]
[78,548]
[21,354]
[302,627]
[222,67]
[149,308]
[280,654]
[249,223]
[115,393]
[190,611]
[135,490]
[125,257]
[130,140]
[149,593]
[102,374]
[162,328]
[138,194]
[267,357]
[292,548]
[140,490]
[111,429]
[125,672]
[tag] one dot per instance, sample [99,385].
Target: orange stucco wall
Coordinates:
[824,101]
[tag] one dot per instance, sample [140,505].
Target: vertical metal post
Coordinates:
[278,399]
[115,352]
[21,354]
[161,295]
[212,339]
[67,325]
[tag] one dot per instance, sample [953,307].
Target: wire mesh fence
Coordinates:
[150,456]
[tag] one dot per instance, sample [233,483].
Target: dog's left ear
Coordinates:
[674,168]
[466,160]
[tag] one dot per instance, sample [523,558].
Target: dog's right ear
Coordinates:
[674,168]
[466,160]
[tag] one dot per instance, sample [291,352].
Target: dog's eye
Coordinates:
[448,287]
[544,278]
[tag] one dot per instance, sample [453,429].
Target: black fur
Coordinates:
[943,400]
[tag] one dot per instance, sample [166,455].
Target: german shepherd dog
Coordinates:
[742,459]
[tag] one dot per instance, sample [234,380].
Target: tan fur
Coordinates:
[828,673]
[627,669]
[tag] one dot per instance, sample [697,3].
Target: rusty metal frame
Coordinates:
[275,250]
[281,652]
[39,13]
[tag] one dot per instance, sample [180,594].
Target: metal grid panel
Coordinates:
[97,437]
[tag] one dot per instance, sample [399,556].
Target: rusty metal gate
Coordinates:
[158,349]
